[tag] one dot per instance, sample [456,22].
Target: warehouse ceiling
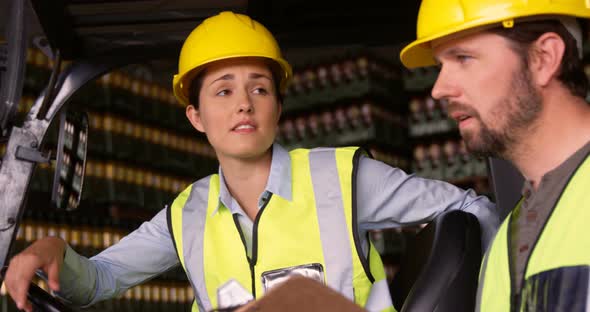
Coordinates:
[82,28]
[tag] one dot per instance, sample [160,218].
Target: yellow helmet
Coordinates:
[437,19]
[223,36]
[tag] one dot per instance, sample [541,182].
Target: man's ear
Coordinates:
[546,55]
[194,116]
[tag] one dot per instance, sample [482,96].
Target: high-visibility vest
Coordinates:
[318,226]
[557,272]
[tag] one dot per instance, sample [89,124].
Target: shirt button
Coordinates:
[531,215]
[527,193]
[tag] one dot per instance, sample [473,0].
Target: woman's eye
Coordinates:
[260,91]
[223,92]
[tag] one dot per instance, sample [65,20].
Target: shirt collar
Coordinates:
[279,179]
[555,173]
[527,189]
[278,183]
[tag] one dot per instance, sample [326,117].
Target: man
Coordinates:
[512,76]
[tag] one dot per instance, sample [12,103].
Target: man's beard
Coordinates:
[518,113]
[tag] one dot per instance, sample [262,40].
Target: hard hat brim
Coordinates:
[419,52]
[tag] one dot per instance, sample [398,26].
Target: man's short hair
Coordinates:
[571,71]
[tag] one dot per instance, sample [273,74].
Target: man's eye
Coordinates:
[463,58]
[223,92]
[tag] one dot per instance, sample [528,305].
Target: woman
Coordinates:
[268,212]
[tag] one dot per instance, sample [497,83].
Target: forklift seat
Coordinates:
[439,270]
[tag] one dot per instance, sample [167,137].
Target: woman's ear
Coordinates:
[194,116]
[546,55]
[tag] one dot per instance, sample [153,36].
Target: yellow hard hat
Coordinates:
[223,36]
[437,19]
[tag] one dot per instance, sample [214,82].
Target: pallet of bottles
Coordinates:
[341,78]
[354,122]
[147,102]
[127,140]
[449,160]
[419,79]
[428,117]
[86,233]
[120,183]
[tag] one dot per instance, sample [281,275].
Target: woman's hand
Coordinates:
[46,254]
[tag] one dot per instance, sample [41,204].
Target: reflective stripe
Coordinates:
[176,221]
[332,221]
[561,289]
[379,297]
[195,211]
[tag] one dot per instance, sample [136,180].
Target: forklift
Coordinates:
[98,36]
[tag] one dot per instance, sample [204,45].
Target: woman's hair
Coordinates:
[197,82]
[571,71]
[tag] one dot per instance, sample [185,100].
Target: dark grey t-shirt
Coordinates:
[526,225]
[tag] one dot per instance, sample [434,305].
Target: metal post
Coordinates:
[16,51]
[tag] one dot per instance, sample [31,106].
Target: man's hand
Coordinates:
[46,254]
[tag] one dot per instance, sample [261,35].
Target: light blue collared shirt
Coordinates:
[387,197]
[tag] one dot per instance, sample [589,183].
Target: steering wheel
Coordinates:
[41,300]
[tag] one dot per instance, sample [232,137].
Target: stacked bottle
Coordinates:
[419,79]
[121,94]
[342,78]
[128,140]
[428,117]
[358,121]
[86,234]
[449,160]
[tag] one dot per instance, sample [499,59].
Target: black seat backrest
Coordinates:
[439,269]
[506,182]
